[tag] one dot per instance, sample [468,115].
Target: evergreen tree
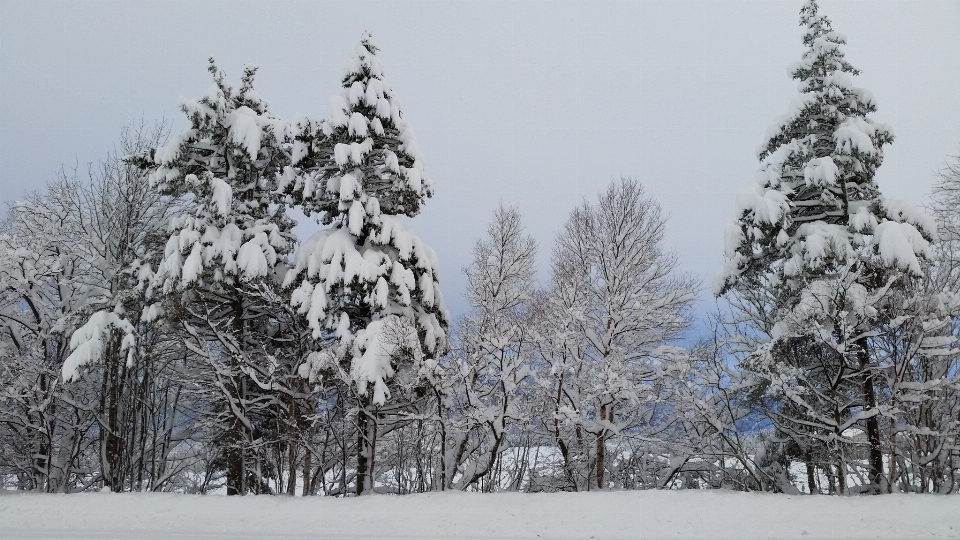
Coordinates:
[218,275]
[367,284]
[814,228]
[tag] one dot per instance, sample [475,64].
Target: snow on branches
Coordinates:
[369,265]
[87,342]
[228,162]
[813,204]
[834,254]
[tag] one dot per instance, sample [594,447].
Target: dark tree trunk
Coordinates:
[292,447]
[872,423]
[366,444]
[234,439]
[40,476]
[811,474]
[234,458]
[892,480]
[308,462]
[443,442]
[110,443]
[841,474]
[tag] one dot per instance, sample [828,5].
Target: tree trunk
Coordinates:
[831,485]
[838,446]
[40,475]
[110,451]
[235,438]
[605,414]
[892,479]
[811,474]
[872,423]
[366,445]
[307,465]
[233,458]
[308,461]
[841,474]
[292,473]
[443,441]
[292,449]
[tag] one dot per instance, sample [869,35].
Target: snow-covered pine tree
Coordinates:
[367,284]
[814,228]
[218,275]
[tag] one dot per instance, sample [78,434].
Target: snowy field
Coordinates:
[634,514]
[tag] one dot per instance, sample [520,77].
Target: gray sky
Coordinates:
[537,104]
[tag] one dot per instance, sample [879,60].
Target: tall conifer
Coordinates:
[814,228]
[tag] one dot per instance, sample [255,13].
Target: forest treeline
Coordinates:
[162,328]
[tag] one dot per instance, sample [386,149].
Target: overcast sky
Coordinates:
[537,104]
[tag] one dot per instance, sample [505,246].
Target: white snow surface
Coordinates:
[625,514]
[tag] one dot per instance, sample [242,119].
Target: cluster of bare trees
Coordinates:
[571,373]
[64,250]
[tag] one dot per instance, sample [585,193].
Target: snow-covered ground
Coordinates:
[636,515]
